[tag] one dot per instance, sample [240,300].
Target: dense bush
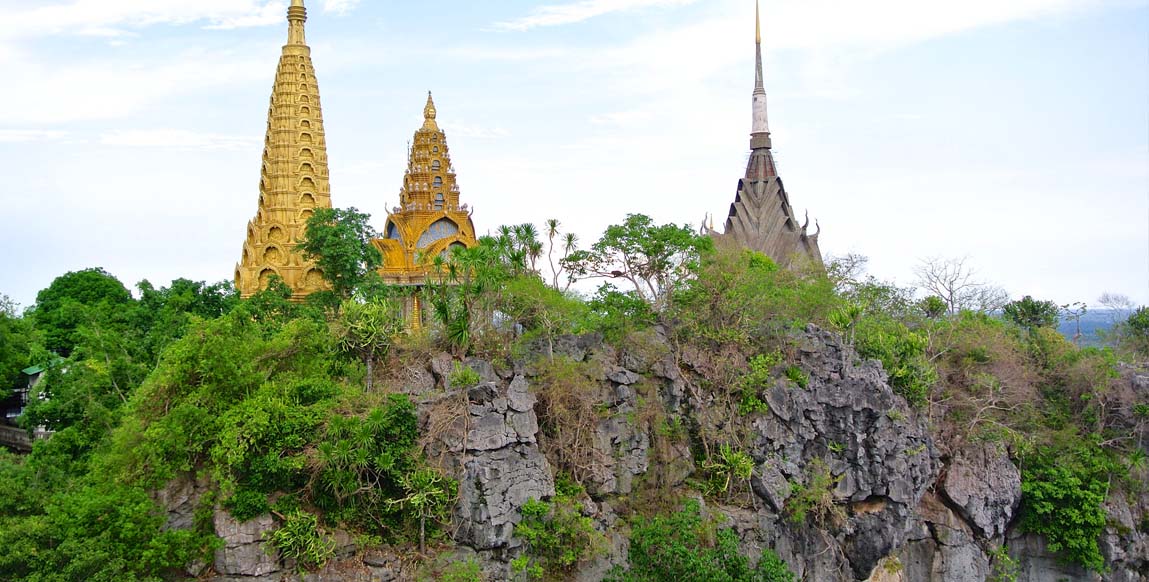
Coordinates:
[1063,492]
[902,353]
[685,546]
[557,535]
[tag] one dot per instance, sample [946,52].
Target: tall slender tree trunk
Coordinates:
[422,534]
[370,369]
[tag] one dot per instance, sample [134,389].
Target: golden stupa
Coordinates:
[429,220]
[294,178]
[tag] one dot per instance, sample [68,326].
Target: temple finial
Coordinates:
[296,16]
[757,24]
[760,128]
[429,114]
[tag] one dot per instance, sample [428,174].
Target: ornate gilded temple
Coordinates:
[294,177]
[429,219]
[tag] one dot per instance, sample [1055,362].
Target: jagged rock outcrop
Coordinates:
[501,465]
[984,486]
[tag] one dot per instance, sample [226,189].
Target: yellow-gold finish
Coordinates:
[429,219]
[294,177]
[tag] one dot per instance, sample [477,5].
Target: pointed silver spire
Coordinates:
[760,128]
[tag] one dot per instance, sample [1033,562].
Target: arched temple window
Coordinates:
[440,229]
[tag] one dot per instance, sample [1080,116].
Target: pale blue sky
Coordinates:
[1014,132]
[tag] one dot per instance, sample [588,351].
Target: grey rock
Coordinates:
[482,393]
[1038,564]
[519,397]
[484,368]
[442,364]
[180,498]
[624,376]
[243,552]
[985,486]
[494,486]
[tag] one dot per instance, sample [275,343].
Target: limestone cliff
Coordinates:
[902,508]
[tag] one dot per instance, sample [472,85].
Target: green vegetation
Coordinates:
[814,499]
[557,536]
[338,241]
[463,376]
[297,409]
[685,546]
[300,538]
[727,468]
[1064,490]
[1031,313]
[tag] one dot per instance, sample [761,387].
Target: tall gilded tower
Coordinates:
[294,179]
[429,219]
[760,217]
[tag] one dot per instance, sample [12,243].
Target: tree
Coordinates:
[933,306]
[16,339]
[163,315]
[1120,306]
[339,242]
[64,305]
[368,330]
[655,259]
[1031,313]
[429,496]
[1074,312]
[953,280]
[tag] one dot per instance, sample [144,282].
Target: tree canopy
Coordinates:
[339,242]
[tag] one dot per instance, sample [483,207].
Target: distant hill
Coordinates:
[1093,322]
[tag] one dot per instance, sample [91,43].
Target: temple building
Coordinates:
[760,217]
[294,177]
[429,219]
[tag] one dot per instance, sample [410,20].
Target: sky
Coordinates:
[1014,133]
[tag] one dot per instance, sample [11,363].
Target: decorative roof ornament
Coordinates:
[760,217]
[760,128]
[429,114]
[296,17]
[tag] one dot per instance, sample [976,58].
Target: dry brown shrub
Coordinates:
[568,397]
[444,424]
[989,380]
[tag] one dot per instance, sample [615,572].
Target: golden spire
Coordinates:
[294,176]
[429,114]
[757,23]
[296,17]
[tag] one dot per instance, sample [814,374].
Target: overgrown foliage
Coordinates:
[557,535]
[274,401]
[1063,492]
[686,546]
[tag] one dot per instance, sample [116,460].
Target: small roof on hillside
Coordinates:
[33,370]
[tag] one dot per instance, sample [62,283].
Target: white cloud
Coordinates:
[339,6]
[178,139]
[463,129]
[558,14]
[103,15]
[112,89]
[27,135]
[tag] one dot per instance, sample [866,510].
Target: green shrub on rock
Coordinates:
[685,546]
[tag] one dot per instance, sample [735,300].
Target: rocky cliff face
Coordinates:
[899,512]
